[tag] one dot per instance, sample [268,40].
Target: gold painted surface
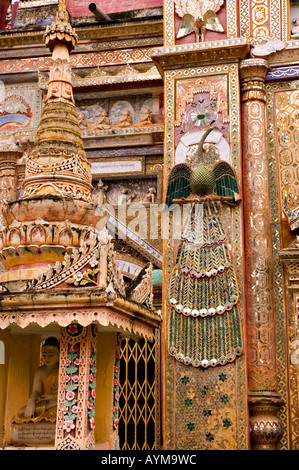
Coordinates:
[282,105]
[260,18]
[154,27]
[206,408]
[286,105]
[259,260]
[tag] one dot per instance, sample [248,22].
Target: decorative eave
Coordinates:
[290,254]
[83,305]
[148,27]
[132,239]
[99,76]
[289,257]
[288,56]
[10,38]
[191,55]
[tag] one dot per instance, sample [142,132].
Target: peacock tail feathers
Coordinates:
[178,183]
[226,181]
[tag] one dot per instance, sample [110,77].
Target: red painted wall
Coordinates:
[4,4]
[80,7]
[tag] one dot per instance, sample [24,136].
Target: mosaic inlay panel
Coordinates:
[287,122]
[280,114]
[206,400]
[226,423]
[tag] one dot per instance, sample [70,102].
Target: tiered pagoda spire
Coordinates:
[55,213]
[58,164]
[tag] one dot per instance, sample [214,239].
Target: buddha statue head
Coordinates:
[50,352]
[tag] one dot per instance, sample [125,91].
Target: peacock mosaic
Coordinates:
[205,334]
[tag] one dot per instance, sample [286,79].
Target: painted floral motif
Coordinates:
[116,386]
[89,276]
[71,386]
[191,426]
[92,389]
[185,379]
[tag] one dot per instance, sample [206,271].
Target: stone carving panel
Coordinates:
[117,112]
[142,190]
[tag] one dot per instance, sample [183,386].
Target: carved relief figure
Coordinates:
[146,119]
[101,196]
[42,403]
[139,187]
[82,119]
[149,196]
[103,122]
[60,82]
[125,197]
[126,120]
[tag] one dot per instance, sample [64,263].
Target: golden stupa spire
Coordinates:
[57,164]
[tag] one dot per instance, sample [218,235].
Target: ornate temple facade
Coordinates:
[149,244]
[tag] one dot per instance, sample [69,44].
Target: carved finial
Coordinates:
[60,31]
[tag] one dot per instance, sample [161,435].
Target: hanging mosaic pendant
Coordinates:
[204,322]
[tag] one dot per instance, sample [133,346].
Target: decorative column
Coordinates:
[264,400]
[76,393]
[8,178]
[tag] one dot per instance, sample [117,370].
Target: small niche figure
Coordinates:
[103,122]
[125,197]
[101,195]
[295,29]
[82,120]
[149,196]
[42,403]
[146,118]
[126,120]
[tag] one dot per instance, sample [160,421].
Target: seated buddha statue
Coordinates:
[42,403]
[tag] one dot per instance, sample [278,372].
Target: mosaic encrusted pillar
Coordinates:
[77,383]
[263,399]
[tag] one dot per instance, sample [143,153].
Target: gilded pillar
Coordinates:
[77,388]
[264,401]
